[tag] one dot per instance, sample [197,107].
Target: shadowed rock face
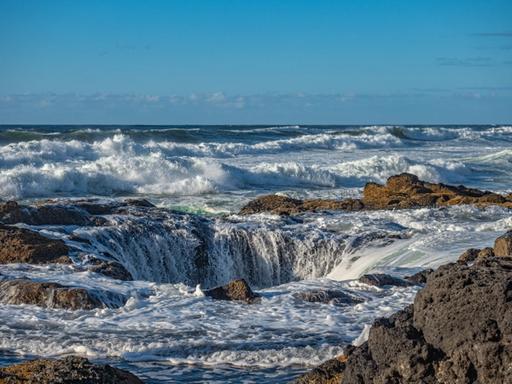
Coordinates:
[236,290]
[23,246]
[400,192]
[69,370]
[458,330]
[49,295]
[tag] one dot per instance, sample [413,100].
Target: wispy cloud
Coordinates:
[465,62]
[494,34]
[220,107]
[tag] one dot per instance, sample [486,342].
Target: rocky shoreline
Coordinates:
[457,331]
[404,191]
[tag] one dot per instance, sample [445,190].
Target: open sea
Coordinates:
[199,177]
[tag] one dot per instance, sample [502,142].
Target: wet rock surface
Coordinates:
[382,280]
[235,290]
[46,294]
[68,370]
[458,330]
[19,245]
[328,296]
[400,192]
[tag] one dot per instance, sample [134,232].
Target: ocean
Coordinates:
[199,177]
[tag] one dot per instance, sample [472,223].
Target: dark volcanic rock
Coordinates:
[503,245]
[420,277]
[468,255]
[47,214]
[50,295]
[111,269]
[235,290]
[466,312]
[328,297]
[458,330]
[330,372]
[381,280]
[394,353]
[475,255]
[24,246]
[400,191]
[69,370]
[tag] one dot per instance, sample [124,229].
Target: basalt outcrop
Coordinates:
[68,370]
[402,191]
[18,245]
[458,330]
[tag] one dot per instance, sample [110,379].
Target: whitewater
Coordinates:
[199,177]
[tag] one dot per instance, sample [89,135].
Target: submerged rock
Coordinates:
[19,245]
[457,331]
[400,191]
[328,297]
[48,295]
[235,290]
[71,369]
[381,280]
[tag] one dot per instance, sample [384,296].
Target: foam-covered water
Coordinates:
[167,331]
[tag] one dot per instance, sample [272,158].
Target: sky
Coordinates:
[248,62]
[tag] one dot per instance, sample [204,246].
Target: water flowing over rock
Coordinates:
[171,247]
[19,245]
[236,290]
[70,369]
[400,191]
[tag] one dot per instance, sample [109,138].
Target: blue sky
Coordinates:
[222,61]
